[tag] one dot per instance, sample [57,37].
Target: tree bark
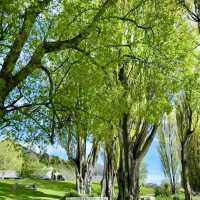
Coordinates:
[128,172]
[132,152]
[85,166]
[107,183]
[185,174]
[129,188]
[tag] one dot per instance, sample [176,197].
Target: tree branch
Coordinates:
[74,42]
[29,18]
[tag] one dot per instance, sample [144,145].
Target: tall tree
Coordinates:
[194,161]
[169,149]
[144,99]
[184,117]
[111,160]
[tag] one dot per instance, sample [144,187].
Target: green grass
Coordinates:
[147,191]
[180,197]
[52,190]
[46,189]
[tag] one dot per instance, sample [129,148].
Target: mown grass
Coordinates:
[47,189]
[53,190]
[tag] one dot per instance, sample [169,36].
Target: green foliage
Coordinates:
[72,194]
[10,156]
[32,167]
[163,191]
[194,160]
[168,148]
[84,46]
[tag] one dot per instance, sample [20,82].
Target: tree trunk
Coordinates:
[134,188]
[185,175]
[107,182]
[129,189]
[85,166]
[79,181]
[173,185]
[122,182]
[128,172]
[132,151]
[3,94]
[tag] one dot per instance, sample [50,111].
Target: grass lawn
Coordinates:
[46,189]
[52,190]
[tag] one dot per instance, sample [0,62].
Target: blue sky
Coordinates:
[154,167]
[155,174]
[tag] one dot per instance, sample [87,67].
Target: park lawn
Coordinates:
[53,190]
[46,189]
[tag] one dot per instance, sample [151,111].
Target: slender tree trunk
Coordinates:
[107,183]
[122,183]
[173,185]
[185,175]
[79,182]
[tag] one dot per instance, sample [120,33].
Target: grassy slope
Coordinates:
[46,189]
[50,190]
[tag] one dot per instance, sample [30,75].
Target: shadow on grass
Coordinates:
[48,184]
[7,193]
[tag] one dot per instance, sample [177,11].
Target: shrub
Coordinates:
[71,194]
[163,191]
[94,195]
[176,197]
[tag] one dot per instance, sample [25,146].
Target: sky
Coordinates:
[154,167]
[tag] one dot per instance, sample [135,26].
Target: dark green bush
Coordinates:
[71,194]
[176,197]
[163,191]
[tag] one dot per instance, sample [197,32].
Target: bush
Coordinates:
[163,191]
[71,194]
[94,195]
[176,197]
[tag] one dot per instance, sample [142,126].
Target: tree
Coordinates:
[187,109]
[31,166]
[145,99]
[10,155]
[184,117]
[111,162]
[194,161]
[193,9]
[24,39]
[169,149]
